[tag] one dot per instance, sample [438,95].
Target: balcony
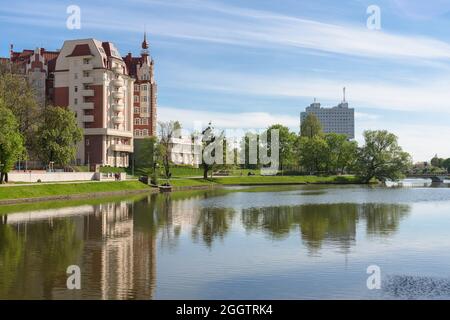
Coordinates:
[117,83]
[88,118]
[118,107]
[87,93]
[117,94]
[87,80]
[118,70]
[121,147]
[87,105]
[87,66]
[118,119]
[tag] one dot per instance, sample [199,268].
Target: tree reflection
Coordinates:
[325,222]
[11,254]
[212,223]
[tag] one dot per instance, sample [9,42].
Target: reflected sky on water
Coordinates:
[304,242]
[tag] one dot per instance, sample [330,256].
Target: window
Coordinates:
[144,109]
[144,87]
[136,110]
[145,132]
[144,121]
[136,87]
[144,99]
[75,75]
[75,101]
[137,132]
[86,61]
[136,98]
[76,89]
[137,121]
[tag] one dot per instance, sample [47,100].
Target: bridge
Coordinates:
[434,177]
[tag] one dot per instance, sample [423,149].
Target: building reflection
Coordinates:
[117,257]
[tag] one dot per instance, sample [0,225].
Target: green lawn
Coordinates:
[46,190]
[188,182]
[255,180]
[262,180]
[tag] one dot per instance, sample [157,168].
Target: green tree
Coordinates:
[58,136]
[250,140]
[144,153]
[446,164]
[313,153]
[381,157]
[287,142]
[167,131]
[341,152]
[18,96]
[211,142]
[11,142]
[437,162]
[311,126]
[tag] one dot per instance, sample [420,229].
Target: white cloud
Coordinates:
[431,95]
[244,120]
[247,27]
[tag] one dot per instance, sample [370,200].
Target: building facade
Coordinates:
[92,80]
[141,69]
[339,119]
[114,98]
[37,66]
[185,151]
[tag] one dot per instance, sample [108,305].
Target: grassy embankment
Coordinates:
[263,180]
[90,188]
[66,189]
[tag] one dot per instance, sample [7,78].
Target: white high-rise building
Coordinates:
[339,119]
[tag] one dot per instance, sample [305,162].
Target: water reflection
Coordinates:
[330,222]
[117,259]
[117,243]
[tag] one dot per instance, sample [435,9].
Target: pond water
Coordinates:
[297,242]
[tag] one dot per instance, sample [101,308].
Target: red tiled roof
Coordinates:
[132,63]
[107,48]
[81,50]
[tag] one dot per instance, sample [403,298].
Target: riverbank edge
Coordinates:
[77,196]
[147,189]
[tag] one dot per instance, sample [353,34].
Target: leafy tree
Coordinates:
[446,164]
[144,153]
[341,152]
[167,131]
[437,162]
[58,136]
[381,157]
[311,126]
[246,144]
[11,142]
[18,96]
[313,153]
[287,140]
[211,142]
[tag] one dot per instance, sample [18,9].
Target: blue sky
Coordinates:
[248,64]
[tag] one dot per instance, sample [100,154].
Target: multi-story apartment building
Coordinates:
[92,80]
[185,151]
[339,119]
[145,92]
[37,66]
[114,98]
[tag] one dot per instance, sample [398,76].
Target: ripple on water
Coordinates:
[416,287]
